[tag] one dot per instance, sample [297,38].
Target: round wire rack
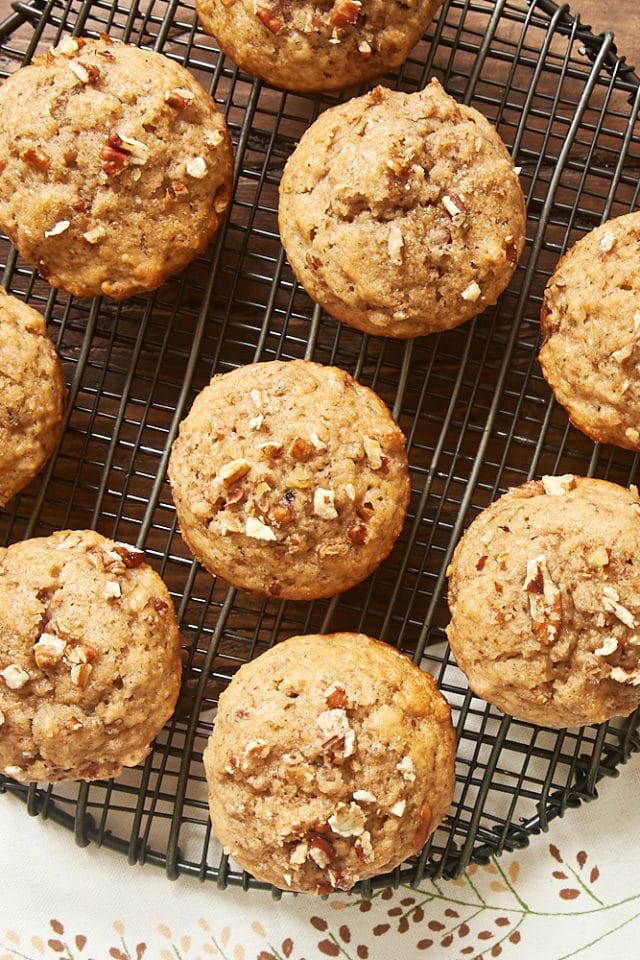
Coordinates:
[472,402]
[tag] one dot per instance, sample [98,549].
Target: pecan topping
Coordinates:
[113,155]
[336,696]
[179,98]
[258,529]
[177,190]
[36,158]
[323,504]
[14,676]
[364,848]
[271,16]
[233,471]
[545,603]
[357,533]
[611,603]
[347,821]
[49,650]
[130,556]
[300,448]
[557,486]
[454,204]
[80,674]
[345,13]
[511,249]
[472,293]
[321,851]
[85,72]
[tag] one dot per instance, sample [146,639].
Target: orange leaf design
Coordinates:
[581,857]
[56,926]
[555,853]
[593,876]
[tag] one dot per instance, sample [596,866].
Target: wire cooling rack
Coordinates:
[477,414]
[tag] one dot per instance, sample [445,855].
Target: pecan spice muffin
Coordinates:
[116,167]
[33,395]
[290,479]
[401,213]
[544,592]
[590,322]
[331,761]
[315,45]
[89,657]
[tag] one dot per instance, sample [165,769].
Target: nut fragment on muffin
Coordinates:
[90,661]
[311,45]
[290,479]
[401,213]
[116,166]
[33,395]
[590,322]
[332,760]
[544,594]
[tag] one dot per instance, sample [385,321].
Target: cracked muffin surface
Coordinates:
[33,395]
[290,479]
[116,166]
[544,593]
[331,761]
[590,322]
[402,214]
[89,657]
[315,45]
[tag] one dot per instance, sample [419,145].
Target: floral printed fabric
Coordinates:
[575,890]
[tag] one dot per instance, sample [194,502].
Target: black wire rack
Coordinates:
[477,414]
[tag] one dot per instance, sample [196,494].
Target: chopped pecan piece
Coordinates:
[271,16]
[14,676]
[85,72]
[454,204]
[113,155]
[177,190]
[321,851]
[345,13]
[347,821]
[545,602]
[179,98]
[49,650]
[300,448]
[357,533]
[80,674]
[130,556]
[36,157]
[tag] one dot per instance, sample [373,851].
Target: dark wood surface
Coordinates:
[621,17]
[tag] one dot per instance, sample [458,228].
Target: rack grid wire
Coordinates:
[476,411]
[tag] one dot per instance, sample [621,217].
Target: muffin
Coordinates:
[116,167]
[331,761]
[401,213]
[33,395]
[308,45]
[590,323]
[89,657]
[290,479]
[544,593]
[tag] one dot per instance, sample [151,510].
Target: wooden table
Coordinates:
[622,17]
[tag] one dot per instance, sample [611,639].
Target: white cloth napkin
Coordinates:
[573,892]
